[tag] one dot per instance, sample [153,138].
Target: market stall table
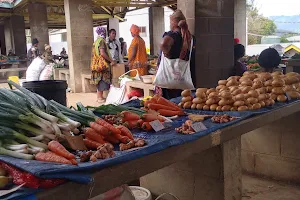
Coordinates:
[226,140]
[147,88]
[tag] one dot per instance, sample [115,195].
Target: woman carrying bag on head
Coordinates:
[101,65]
[176,61]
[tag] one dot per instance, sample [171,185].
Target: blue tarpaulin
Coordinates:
[155,142]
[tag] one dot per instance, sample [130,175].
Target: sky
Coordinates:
[278,7]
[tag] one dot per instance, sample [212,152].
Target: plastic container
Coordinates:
[140,193]
[14,79]
[148,79]
[50,89]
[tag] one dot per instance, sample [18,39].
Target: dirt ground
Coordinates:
[261,189]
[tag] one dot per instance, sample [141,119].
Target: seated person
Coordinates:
[269,59]
[239,67]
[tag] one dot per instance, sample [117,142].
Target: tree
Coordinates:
[258,24]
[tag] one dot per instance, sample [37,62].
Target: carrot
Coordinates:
[93,135]
[155,97]
[131,124]
[125,131]
[146,126]
[123,139]
[155,106]
[129,116]
[151,117]
[152,100]
[168,103]
[52,157]
[170,113]
[90,144]
[111,139]
[74,162]
[60,150]
[110,127]
[140,123]
[99,129]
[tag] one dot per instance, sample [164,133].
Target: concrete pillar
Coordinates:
[18,35]
[113,23]
[214,174]
[79,23]
[214,31]
[240,24]
[39,23]
[2,41]
[157,28]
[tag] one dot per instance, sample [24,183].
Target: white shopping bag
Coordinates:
[174,73]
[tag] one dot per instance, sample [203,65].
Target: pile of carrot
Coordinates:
[163,106]
[57,154]
[101,132]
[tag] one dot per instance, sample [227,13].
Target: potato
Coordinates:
[232,83]
[186,93]
[259,79]
[222,82]
[253,93]
[187,105]
[269,89]
[213,94]
[246,89]
[247,96]
[265,75]
[262,90]
[234,78]
[262,103]
[252,100]
[256,106]
[262,97]
[248,73]
[226,95]
[200,106]
[236,92]
[257,85]
[293,94]
[233,109]
[288,88]
[206,107]
[268,83]
[202,90]
[278,90]
[198,100]
[226,108]
[220,87]
[239,97]
[244,78]
[224,102]
[291,80]
[233,88]
[272,102]
[201,95]
[213,107]
[180,104]
[186,99]
[291,74]
[238,103]
[296,85]
[211,101]
[274,96]
[210,91]
[267,102]
[278,83]
[247,83]
[219,109]
[242,108]
[251,76]
[194,106]
[281,98]
[276,74]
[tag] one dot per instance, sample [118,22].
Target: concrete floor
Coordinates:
[261,189]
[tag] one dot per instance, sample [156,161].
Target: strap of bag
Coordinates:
[191,49]
[122,76]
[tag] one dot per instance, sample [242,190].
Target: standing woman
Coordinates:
[101,65]
[177,44]
[137,54]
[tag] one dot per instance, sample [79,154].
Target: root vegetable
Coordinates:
[52,157]
[60,150]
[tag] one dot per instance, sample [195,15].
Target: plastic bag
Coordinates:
[119,193]
[174,73]
[47,73]
[124,78]
[116,95]
[34,70]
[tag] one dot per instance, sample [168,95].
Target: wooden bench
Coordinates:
[64,75]
[85,82]
[147,88]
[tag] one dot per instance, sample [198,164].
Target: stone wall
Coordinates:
[273,150]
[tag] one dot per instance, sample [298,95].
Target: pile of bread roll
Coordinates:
[252,91]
